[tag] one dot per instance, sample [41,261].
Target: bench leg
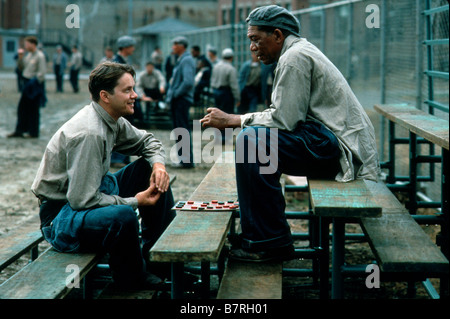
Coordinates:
[337,258]
[445,247]
[206,279]
[324,257]
[177,280]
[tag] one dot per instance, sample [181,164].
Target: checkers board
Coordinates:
[214,205]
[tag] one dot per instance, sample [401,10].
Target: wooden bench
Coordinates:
[199,236]
[434,130]
[338,203]
[243,280]
[402,249]
[20,241]
[400,245]
[426,125]
[47,276]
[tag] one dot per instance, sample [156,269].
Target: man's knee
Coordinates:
[124,216]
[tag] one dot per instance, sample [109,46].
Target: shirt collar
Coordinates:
[288,42]
[105,116]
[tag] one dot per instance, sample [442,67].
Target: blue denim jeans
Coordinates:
[262,204]
[115,229]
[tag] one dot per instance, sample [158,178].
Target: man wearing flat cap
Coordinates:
[321,130]
[180,96]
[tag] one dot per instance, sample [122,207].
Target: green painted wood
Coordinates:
[251,281]
[45,278]
[398,242]
[428,126]
[334,199]
[192,236]
[18,242]
[200,236]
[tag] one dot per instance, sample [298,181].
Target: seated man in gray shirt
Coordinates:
[83,207]
[315,126]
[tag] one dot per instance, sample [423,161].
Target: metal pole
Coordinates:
[350,45]
[419,53]
[232,22]
[130,17]
[383,75]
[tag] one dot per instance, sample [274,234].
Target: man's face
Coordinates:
[267,47]
[149,68]
[29,46]
[178,49]
[128,50]
[122,101]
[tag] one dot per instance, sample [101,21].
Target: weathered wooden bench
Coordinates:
[338,203]
[243,280]
[400,245]
[19,242]
[434,130]
[402,249]
[49,276]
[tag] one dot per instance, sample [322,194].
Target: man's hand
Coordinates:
[160,178]
[149,197]
[146,98]
[219,119]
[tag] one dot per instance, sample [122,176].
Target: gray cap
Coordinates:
[125,42]
[227,53]
[274,16]
[180,40]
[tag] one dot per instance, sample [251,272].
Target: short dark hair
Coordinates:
[105,76]
[31,39]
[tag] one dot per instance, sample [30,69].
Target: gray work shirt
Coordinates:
[35,66]
[308,85]
[78,157]
[155,80]
[224,74]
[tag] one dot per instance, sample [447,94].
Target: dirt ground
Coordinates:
[20,158]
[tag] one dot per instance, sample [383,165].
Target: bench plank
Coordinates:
[16,243]
[398,242]
[192,236]
[251,281]
[428,126]
[219,183]
[333,199]
[200,236]
[45,278]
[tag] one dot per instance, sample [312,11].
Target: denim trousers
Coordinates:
[115,229]
[262,204]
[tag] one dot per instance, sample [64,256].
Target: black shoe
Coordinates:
[14,134]
[273,254]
